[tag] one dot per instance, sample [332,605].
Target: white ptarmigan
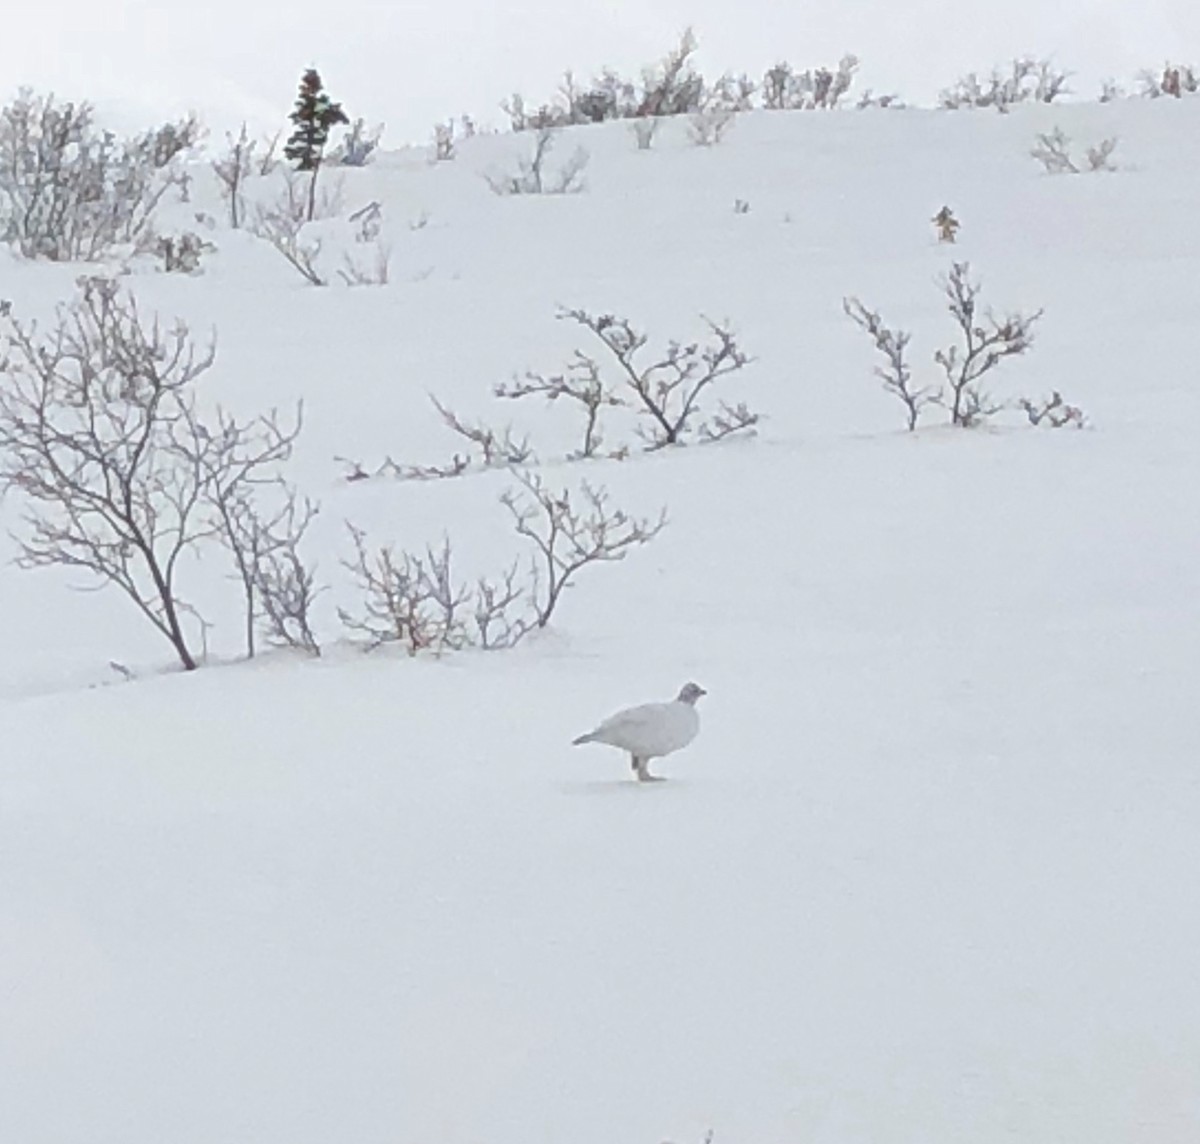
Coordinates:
[651,730]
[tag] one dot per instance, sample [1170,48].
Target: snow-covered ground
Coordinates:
[928,873]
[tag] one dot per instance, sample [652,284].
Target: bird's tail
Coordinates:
[588,738]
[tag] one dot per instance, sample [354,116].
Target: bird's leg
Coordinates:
[641,766]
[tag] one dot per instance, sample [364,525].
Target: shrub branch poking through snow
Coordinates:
[282,222]
[986,341]
[373,268]
[99,433]
[1053,151]
[534,178]
[497,449]
[667,390]
[895,372]
[70,192]
[582,384]
[569,535]
[1053,413]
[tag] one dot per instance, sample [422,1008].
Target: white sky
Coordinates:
[412,62]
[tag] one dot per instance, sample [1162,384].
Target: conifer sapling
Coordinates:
[315,113]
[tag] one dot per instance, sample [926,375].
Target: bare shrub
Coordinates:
[1174,81]
[416,601]
[1027,80]
[895,373]
[161,145]
[1098,156]
[181,253]
[708,126]
[1053,151]
[889,102]
[1053,413]
[445,142]
[567,536]
[670,87]
[644,131]
[357,145]
[733,91]
[785,89]
[232,168]
[406,599]
[986,342]
[668,389]
[68,191]
[532,176]
[673,86]
[100,435]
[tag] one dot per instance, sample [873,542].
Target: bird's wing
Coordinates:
[652,730]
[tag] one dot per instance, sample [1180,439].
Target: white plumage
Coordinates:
[651,730]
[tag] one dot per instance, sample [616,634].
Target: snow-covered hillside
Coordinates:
[926,876]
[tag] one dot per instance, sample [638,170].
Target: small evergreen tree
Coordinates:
[314,115]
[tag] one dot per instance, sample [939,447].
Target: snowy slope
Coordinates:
[927,873]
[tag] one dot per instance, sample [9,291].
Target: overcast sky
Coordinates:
[411,62]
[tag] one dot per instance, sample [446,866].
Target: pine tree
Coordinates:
[314,115]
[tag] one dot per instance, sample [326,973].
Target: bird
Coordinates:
[650,730]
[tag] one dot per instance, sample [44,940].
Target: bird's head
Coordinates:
[690,692]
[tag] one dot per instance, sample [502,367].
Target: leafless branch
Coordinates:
[581,383]
[232,169]
[532,176]
[895,372]
[497,448]
[568,535]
